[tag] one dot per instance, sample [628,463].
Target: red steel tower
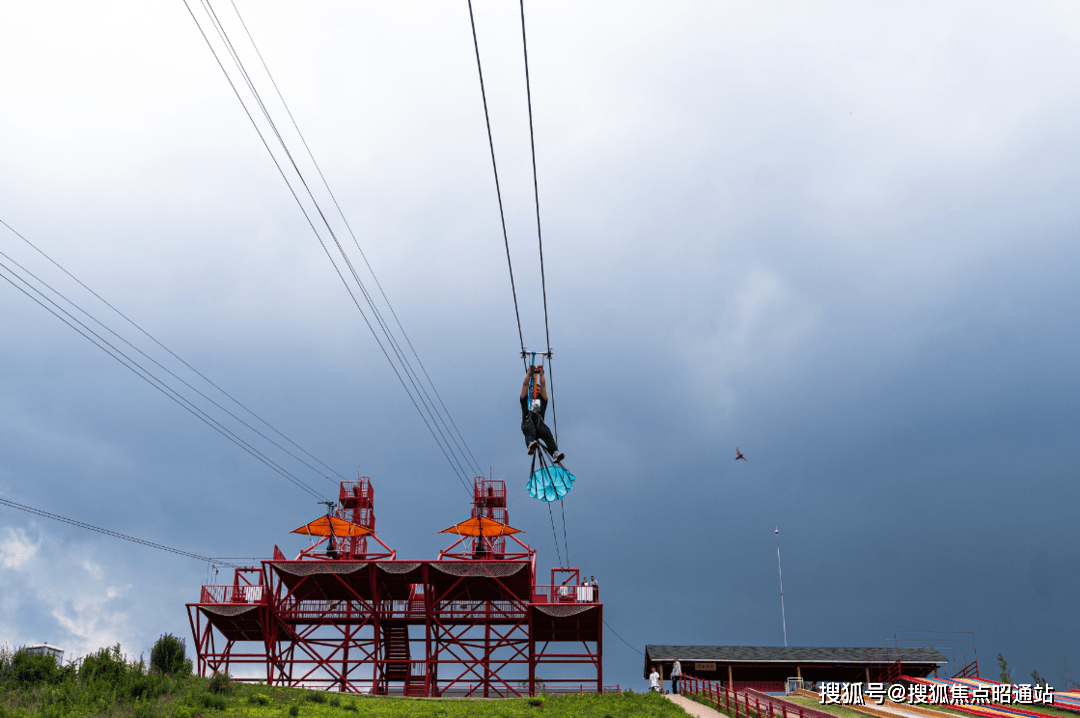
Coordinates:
[342,617]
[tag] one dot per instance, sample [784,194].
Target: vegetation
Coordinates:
[168,656]
[108,684]
[1006,675]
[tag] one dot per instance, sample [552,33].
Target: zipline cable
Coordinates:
[159,364]
[620,637]
[352,234]
[235,55]
[429,405]
[114,534]
[540,245]
[444,445]
[498,191]
[148,377]
[223,35]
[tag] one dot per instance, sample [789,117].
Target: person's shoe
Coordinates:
[558,457]
[533,447]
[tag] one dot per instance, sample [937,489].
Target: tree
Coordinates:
[168,656]
[1006,674]
[1067,679]
[1037,680]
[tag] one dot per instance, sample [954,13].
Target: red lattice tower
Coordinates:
[469,623]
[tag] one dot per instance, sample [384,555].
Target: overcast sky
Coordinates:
[840,236]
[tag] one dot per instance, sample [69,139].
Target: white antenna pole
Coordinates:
[783,617]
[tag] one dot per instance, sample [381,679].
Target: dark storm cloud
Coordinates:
[840,238]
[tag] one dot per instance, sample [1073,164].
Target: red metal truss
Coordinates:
[351,617]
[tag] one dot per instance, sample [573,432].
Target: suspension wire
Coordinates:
[444,445]
[161,366]
[352,234]
[554,535]
[620,637]
[536,185]
[399,354]
[154,381]
[540,245]
[566,544]
[114,534]
[498,191]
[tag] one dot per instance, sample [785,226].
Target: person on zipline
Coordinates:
[533,409]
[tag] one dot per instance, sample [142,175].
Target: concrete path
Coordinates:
[694,708]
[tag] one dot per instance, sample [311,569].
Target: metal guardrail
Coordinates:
[231,594]
[565,594]
[748,704]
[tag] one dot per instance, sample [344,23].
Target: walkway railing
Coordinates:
[749,704]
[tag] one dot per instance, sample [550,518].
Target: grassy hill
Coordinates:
[108,685]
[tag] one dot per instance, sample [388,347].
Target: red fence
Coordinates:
[749,704]
[565,594]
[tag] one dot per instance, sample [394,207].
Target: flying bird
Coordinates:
[738,455]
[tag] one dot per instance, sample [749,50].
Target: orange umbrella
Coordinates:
[481,526]
[332,526]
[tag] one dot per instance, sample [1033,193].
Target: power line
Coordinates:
[419,398]
[114,534]
[140,371]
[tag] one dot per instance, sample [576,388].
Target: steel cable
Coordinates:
[148,377]
[444,445]
[114,534]
[498,190]
[235,55]
[352,234]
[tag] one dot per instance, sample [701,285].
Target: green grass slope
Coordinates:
[108,685]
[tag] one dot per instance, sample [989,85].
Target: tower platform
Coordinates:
[473,622]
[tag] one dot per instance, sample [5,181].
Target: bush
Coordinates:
[536,702]
[107,666]
[350,706]
[335,701]
[316,697]
[169,656]
[212,700]
[28,669]
[219,683]
[294,710]
[259,699]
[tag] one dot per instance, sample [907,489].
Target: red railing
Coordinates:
[231,594]
[748,704]
[971,670]
[566,594]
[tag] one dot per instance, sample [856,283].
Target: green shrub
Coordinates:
[212,700]
[350,706]
[536,702]
[335,701]
[26,670]
[259,699]
[107,666]
[294,710]
[169,656]
[219,683]
[316,697]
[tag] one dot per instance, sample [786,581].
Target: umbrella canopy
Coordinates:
[481,526]
[332,526]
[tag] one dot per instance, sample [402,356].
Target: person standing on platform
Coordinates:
[654,680]
[676,674]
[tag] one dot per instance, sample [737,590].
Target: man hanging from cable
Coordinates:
[534,399]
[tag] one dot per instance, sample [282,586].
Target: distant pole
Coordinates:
[783,617]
